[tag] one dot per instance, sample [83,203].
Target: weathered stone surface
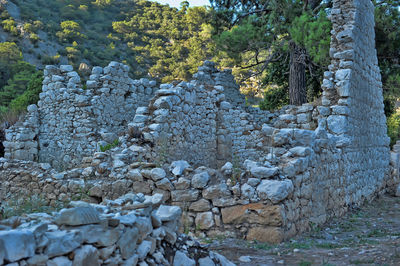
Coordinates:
[266,234]
[200,180]
[16,245]
[185,195]
[61,242]
[78,216]
[127,242]
[99,235]
[181,259]
[86,255]
[207,261]
[254,213]
[274,190]
[178,167]
[37,260]
[216,191]
[144,249]
[204,220]
[201,205]
[59,261]
[264,172]
[168,213]
[157,174]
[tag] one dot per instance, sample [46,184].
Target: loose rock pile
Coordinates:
[131,230]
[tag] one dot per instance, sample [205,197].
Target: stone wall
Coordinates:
[132,230]
[70,122]
[288,169]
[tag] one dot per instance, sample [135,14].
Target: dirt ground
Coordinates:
[366,236]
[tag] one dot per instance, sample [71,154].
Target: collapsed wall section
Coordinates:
[71,121]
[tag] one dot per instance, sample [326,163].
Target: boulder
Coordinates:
[200,180]
[86,255]
[168,213]
[204,220]
[254,213]
[272,235]
[16,245]
[78,216]
[181,259]
[62,242]
[178,167]
[275,190]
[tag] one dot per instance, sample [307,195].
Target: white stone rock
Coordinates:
[157,174]
[59,261]
[86,255]
[78,216]
[62,242]
[337,124]
[264,172]
[16,245]
[181,259]
[274,190]
[66,68]
[204,220]
[168,213]
[144,249]
[227,169]
[178,167]
[200,180]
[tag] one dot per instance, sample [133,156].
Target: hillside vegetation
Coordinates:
[155,40]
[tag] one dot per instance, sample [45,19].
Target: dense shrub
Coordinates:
[274,98]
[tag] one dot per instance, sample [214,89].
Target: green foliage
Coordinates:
[313,33]
[109,146]
[258,41]
[9,25]
[23,205]
[393,125]
[21,75]
[70,31]
[274,98]
[31,94]
[165,42]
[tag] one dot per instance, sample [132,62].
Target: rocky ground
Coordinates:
[366,236]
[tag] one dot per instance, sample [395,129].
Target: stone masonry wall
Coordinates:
[70,122]
[288,170]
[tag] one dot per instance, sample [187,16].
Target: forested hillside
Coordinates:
[155,40]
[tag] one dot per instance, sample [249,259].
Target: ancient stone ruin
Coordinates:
[278,172]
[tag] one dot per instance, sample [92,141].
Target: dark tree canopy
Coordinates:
[284,42]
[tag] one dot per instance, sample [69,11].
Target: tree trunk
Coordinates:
[297,75]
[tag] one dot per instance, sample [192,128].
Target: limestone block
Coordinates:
[86,255]
[62,242]
[181,259]
[128,241]
[185,195]
[201,205]
[78,216]
[337,124]
[168,213]
[272,235]
[200,180]
[275,190]
[254,213]
[16,245]
[204,220]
